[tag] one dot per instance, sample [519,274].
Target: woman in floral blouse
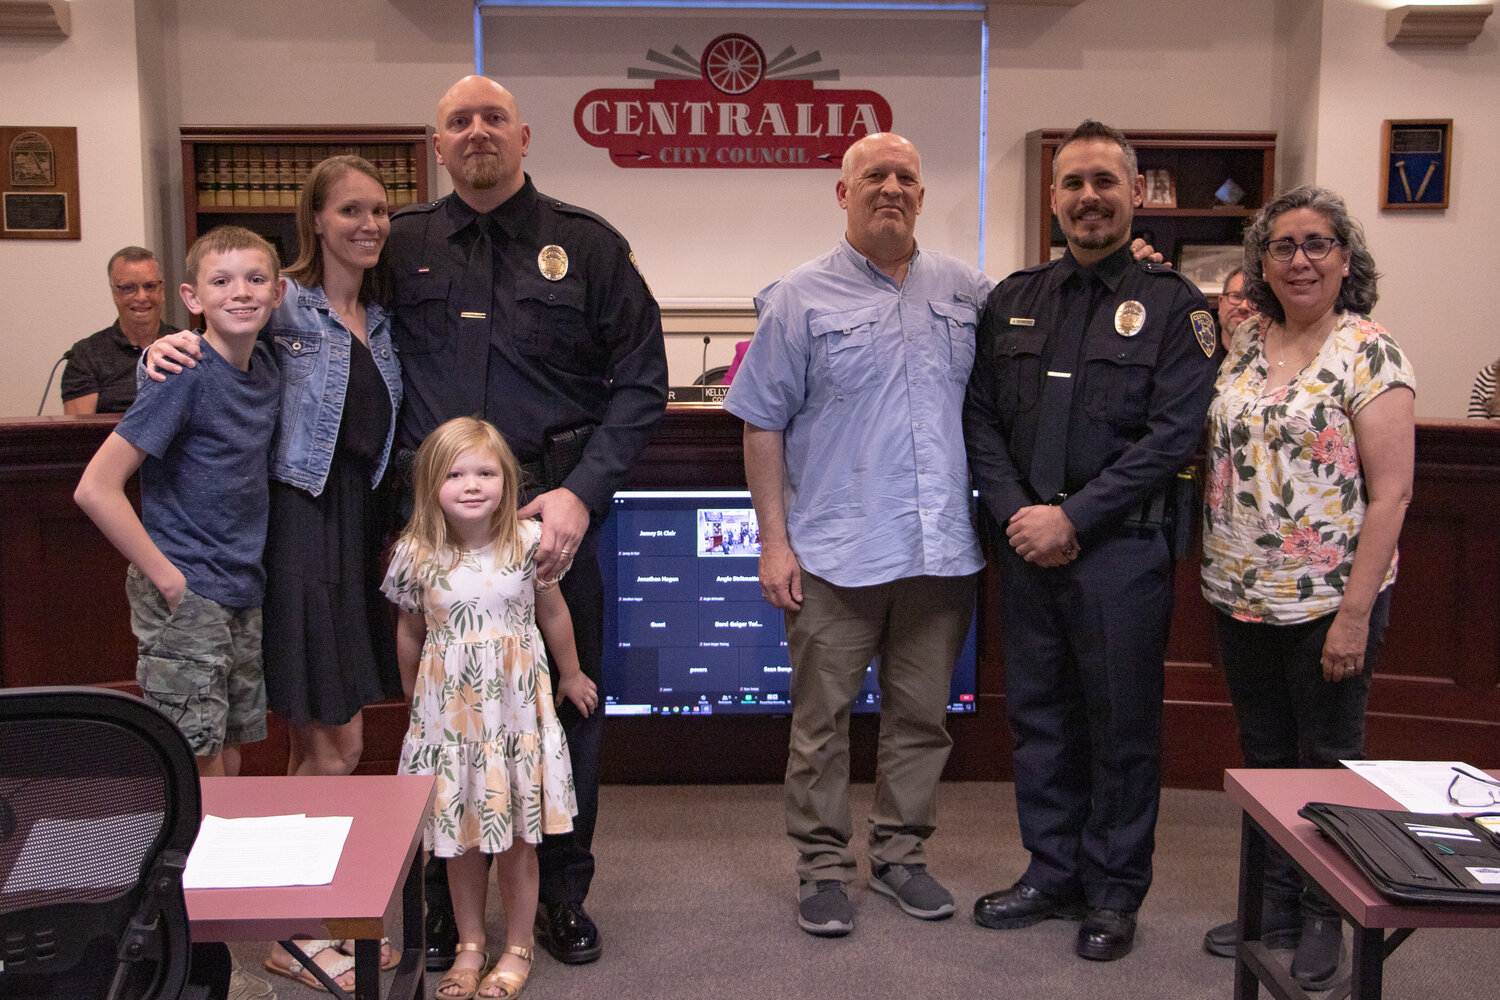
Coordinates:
[1310,450]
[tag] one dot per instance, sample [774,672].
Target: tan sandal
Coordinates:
[297,972]
[511,982]
[465,979]
[389,957]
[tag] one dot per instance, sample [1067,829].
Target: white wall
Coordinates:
[1439,269]
[56,290]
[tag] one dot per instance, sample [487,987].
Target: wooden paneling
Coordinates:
[63,619]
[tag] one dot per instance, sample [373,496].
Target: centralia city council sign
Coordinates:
[730,107]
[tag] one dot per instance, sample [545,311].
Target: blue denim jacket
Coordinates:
[312,349]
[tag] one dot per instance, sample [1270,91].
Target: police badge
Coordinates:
[1130,318]
[552,261]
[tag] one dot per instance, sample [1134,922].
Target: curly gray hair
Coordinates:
[1357,293]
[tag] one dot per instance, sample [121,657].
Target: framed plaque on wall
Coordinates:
[39,183]
[1414,160]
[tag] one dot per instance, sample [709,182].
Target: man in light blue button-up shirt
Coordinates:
[852,395]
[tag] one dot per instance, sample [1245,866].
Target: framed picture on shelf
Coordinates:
[1414,159]
[1207,264]
[1161,190]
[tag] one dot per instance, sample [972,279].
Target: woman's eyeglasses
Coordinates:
[1314,249]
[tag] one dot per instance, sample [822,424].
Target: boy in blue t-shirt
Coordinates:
[201,442]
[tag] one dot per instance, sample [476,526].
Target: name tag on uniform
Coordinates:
[463,315]
[1022,321]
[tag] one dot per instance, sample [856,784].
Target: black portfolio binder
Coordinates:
[1415,857]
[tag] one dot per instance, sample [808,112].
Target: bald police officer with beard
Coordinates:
[532,313]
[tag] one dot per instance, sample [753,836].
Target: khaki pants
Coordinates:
[917,626]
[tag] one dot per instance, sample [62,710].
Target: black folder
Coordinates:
[1415,857]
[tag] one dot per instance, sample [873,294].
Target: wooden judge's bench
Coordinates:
[64,620]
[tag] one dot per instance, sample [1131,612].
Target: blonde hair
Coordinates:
[427,532]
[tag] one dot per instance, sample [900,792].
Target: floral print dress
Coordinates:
[482,715]
[1285,497]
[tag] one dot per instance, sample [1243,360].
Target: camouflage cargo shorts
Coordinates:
[200,665]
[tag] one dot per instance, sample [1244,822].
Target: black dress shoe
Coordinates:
[1022,906]
[567,933]
[1106,935]
[442,940]
[1315,963]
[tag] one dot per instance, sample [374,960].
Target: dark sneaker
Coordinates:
[915,891]
[823,909]
[1315,963]
[1280,927]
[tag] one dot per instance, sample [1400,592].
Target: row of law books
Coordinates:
[231,176]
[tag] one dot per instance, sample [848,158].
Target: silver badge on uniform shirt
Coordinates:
[1129,318]
[552,261]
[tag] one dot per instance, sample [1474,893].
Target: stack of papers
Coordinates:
[266,850]
[1421,786]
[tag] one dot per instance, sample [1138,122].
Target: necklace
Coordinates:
[1317,346]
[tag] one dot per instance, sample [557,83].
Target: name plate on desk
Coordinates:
[697,394]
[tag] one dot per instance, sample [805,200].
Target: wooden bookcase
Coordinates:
[252,175]
[1198,163]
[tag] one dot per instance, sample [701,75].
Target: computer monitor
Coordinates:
[686,631]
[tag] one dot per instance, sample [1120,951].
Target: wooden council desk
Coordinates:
[1270,800]
[380,867]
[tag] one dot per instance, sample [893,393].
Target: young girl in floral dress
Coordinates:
[483,715]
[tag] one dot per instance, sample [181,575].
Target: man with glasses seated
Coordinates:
[100,374]
[1234,306]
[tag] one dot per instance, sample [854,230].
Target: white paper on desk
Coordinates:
[1419,785]
[260,851]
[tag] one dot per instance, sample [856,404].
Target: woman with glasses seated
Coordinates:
[1484,401]
[1234,306]
[1310,454]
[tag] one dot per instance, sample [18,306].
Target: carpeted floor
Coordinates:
[695,899]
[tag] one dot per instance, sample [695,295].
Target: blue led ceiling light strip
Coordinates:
[943,6]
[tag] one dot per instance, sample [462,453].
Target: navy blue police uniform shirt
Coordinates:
[1138,402]
[534,316]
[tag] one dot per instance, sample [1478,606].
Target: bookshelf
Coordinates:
[252,175]
[1197,163]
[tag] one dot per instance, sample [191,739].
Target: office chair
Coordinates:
[712,376]
[99,807]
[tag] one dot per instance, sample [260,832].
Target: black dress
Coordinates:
[328,634]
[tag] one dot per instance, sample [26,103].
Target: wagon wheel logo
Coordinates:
[734,63]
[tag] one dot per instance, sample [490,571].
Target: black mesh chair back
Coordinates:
[99,807]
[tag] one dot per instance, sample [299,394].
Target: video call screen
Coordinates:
[686,631]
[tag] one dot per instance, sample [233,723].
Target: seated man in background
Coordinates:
[1234,307]
[100,374]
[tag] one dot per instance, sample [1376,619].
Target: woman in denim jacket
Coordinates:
[329,648]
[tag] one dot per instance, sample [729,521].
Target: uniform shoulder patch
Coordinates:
[637,265]
[1203,331]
